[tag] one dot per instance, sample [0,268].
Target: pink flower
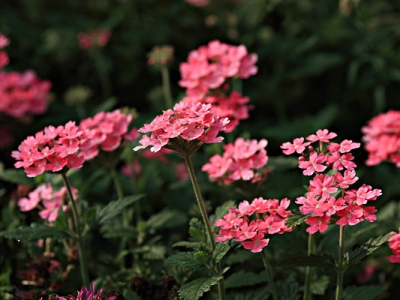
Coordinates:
[53,149]
[199,3]
[314,164]
[394,245]
[209,67]
[382,138]
[317,224]
[298,146]
[256,244]
[23,93]
[4,41]
[322,135]
[96,37]
[183,129]
[85,294]
[240,161]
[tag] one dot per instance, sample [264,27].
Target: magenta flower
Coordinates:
[382,138]
[183,129]
[85,294]
[394,245]
[240,161]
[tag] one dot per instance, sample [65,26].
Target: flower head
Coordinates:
[394,245]
[85,294]
[382,138]
[160,56]
[183,129]
[95,37]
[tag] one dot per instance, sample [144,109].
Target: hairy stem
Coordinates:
[307,286]
[82,261]
[270,275]
[341,267]
[206,220]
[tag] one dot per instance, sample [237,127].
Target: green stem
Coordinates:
[307,287]
[341,267]
[102,73]
[270,276]
[82,261]
[206,220]
[166,87]
[117,184]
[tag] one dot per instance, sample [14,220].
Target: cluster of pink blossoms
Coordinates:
[249,223]
[394,245]
[234,107]
[21,93]
[70,146]
[382,138]
[209,67]
[95,37]
[328,196]
[240,161]
[3,55]
[48,200]
[185,122]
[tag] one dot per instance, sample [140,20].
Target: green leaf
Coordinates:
[202,257]
[15,176]
[167,218]
[89,216]
[184,260]
[221,210]
[295,219]
[324,261]
[196,288]
[366,249]
[289,289]
[35,232]
[197,230]
[115,207]
[220,250]
[189,245]
[365,292]
[260,293]
[245,278]
[319,286]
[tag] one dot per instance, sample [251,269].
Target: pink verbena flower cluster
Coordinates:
[394,245]
[69,146]
[209,67]
[47,200]
[52,149]
[382,138]
[192,122]
[329,199]
[4,60]
[240,161]
[251,222]
[108,131]
[234,107]
[23,93]
[85,294]
[95,37]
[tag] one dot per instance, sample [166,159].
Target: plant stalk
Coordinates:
[166,87]
[270,275]
[82,261]
[307,286]
[340,268]
[206,220]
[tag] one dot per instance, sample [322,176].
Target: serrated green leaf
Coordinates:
[184,260]
[90,215]
[189,245]
[319,286]
[289,289]
[245,278]
[197,230]
[167,218]
[221,210]
[34,233]
[115,207]
[295,219]
[202,257]
[15,176]
[220,250]
[61,221]
[366,249]
[365,292]
[324,261]
[196,288]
